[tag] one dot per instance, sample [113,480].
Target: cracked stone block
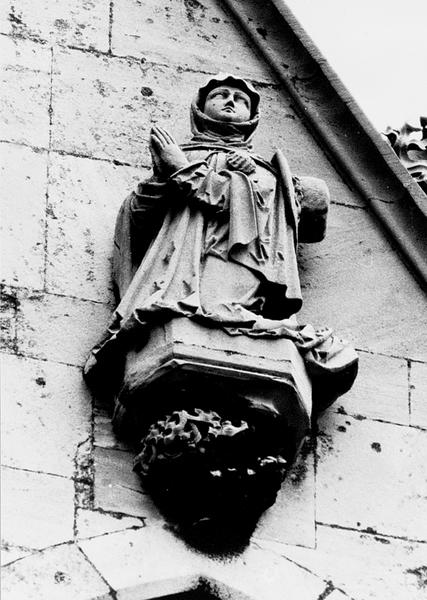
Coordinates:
[58,328]
[371,476]
[99,110]
[191,35]
[91,523]
[117,488]
[46,413]
[84,199]
[37,509]
[291,519]
[61,573]
[23,174]
[380,390]
[366,567]
[104,107]
[378,305]
[25,68]
[11,553]
[84,24]
[170,567]
[419,394]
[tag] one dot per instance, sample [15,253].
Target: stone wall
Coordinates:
[85,82]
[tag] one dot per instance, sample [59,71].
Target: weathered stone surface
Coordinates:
[380,390]
[84,198]
[366,567]
[11,553]
[104,434]
[125,98]
[24,111]
[46,413]
[58,328]
[91,523]
[371,476]
[356,283]
[291,520]
[23,175]
[109,90]
[195,35]
[8,311]
[117,488]
[418,382]
[169,566]
[61,573]
[78,23]
[37,509]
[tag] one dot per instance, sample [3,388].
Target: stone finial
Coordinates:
[410,145]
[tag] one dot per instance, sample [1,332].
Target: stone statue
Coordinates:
[211,236]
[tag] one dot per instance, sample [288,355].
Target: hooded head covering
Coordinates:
[212,131]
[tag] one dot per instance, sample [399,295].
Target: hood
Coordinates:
[211,131]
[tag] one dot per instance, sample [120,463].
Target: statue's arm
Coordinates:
[312,195]
[199,184]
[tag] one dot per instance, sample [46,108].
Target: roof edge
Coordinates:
[353,145]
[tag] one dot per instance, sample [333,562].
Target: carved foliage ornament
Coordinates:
[410,145]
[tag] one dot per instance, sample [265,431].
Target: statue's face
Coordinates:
[229,104]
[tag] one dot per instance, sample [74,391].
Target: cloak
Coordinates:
[249,216]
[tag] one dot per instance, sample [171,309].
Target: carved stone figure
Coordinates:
[211,237]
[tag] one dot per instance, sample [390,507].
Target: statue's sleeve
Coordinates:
[312,196]
[200,184]
[139,219]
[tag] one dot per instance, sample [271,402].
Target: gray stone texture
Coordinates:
[370,476]
[61,573]
[85,82]
[24,177]
[80,23]
[46,414]
[37,509]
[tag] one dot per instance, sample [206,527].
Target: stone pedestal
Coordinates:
[182,357]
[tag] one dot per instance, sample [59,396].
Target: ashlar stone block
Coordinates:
[355,282]
[84,198]
[380,390]
[61,573]
[291,519]
[170,566]
[46,414]
[59,328]
[25,68]
[24,180]
[371,476]
[92,523]
[118,488]
[37,509]
[11,553]
[191,35]
[418,381]
[104,107]
[80,23]
[366,567]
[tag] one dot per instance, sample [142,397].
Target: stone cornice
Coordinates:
[352,144]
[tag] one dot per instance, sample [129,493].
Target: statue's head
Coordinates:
[225,106]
